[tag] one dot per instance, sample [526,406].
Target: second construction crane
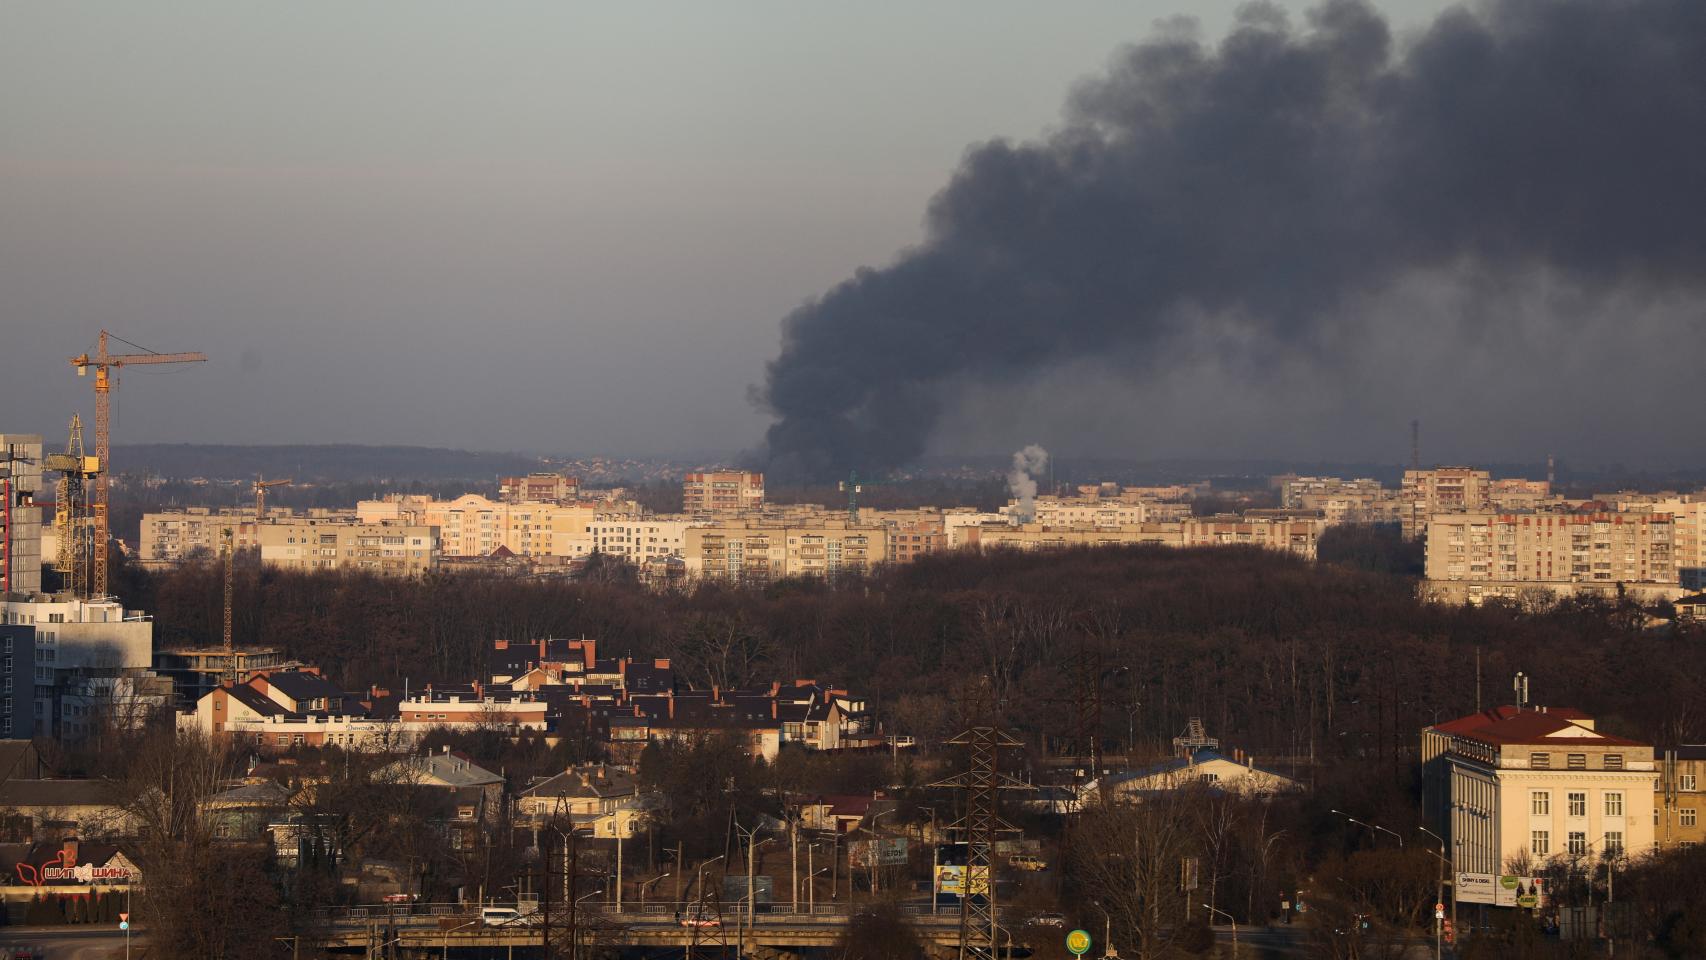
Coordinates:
[107,366]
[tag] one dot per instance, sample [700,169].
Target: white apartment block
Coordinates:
[76,637]
[391,549]
[638,539]
[20,517]
[1098,512]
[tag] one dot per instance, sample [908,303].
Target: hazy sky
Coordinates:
[551,226]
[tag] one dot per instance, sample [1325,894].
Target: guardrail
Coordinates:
[425,914]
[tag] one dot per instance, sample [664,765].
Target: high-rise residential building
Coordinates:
[1098,512]
[762,550]
[1289,534]
[20,516]
[1441,490]
[172,536]
[17,681]
[474,526]
[1476,555]
[391,549]
[1688,514]
[76,639]
[539,488]
[721,491]
[1522,785]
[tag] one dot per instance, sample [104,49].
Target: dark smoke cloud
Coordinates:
[1260,187]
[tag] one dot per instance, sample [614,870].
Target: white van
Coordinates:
[499,916]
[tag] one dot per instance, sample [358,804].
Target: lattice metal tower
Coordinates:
[983,781]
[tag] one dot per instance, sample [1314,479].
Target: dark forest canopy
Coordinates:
[1278,655]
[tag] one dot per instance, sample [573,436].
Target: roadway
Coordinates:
[67,943]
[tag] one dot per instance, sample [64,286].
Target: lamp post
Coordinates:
[1234,923]
[648,883]
[699,882]
[876,856]
[448,932]
[935,856]
[1609,857]
[574,926]
[1439,921]
[1371,827]
[1108,930]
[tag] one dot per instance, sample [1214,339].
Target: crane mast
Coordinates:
[106,367]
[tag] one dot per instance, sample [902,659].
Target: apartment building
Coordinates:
[1098,512]
[637,539]
[1518,786]
[1294,489]
[722,491]
[1688,517]
[761,550]
[169,537]
[1677,798]
[1298,535]
[1441,490]
[1036,536]
[910,539]
[474,526]
[391,549]
[20,516]
[539,488]
[1475,555]
[76,638]
[17,682]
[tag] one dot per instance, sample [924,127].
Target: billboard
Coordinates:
[1501,890]
[1525,892]
[951,880]
[881,852]
[1475,887]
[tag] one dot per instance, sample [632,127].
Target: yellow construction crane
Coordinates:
[106,367]
[71,509]
[261,499]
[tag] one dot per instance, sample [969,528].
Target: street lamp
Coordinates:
[1439,922]
[1370,826]
[447,933]
[648,883]
[1108,931]
[1234,923]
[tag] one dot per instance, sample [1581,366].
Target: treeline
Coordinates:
[1278,656]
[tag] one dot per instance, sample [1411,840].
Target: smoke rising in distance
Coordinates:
[1249,192]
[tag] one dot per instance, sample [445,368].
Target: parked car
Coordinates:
[1048,920]
[1021,861]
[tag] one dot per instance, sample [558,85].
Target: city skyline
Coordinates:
[480,246]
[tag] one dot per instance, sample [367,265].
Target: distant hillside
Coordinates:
[319,462]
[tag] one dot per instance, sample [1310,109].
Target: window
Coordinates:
[1540,843]
[1540,803]
[1614,761]
[1578,805]
[1578,843]
[1687,817]
[1577,761]
[1613,805]
[1614,843]
[1686,782]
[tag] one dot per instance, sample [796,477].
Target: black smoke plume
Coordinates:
[1259,185]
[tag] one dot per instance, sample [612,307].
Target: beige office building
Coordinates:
[760,550]
[383,548]
[1521,787]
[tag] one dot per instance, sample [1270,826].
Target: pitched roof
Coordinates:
[301,685]
[446,770]
[596,781]
[55,793]
[1486,718]
[255,700]
[266,793]
[1542,729]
